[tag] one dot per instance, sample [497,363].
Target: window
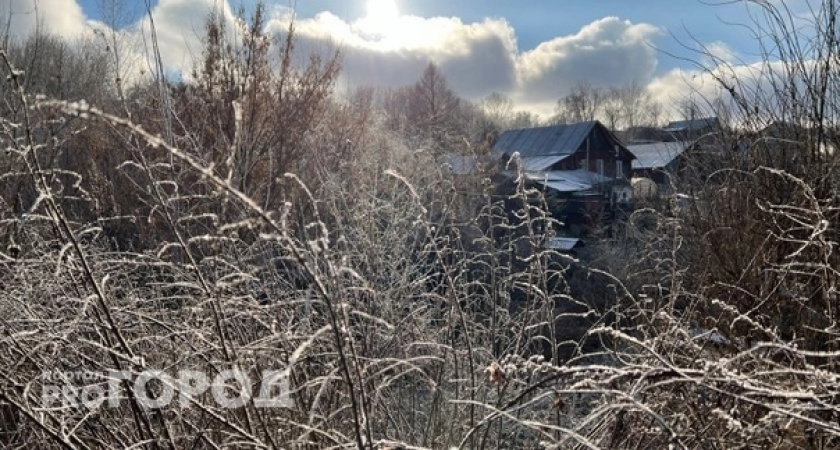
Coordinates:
[619,168]
[599,163]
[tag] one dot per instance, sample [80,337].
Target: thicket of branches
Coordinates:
[623,107]
[253,219]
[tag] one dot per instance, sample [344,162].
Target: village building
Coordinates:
[582,168]
[656,166]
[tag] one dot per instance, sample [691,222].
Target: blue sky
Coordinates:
[533,51]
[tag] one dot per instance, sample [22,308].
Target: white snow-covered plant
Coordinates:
[404,319]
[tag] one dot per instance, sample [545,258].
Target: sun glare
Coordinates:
[382,15]
[385,27]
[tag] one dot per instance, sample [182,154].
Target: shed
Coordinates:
[658,161]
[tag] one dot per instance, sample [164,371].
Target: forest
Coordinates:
[252,218]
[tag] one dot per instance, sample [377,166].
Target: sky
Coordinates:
[533,51]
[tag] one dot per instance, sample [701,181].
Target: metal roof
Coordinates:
[692,124]
[657,154]
[568,180]
[538,163]
[555,140]
[561,243]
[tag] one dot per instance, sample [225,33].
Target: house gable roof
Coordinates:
[657,154]
[538,163]
[556,140]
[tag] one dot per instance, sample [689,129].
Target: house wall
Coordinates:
[598,147]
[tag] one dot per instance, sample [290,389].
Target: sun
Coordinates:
[382,15]
[387,28]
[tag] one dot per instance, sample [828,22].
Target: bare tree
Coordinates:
[499,109]
[583,103]
[638,108]
[619,107]
[433,107]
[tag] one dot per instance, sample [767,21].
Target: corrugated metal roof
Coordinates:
[567,185]
[693,124]
[544,141]
[561,243]
[568,180]
[656,155]
[538,163]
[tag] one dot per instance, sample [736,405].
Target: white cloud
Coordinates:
[715,53]
[477,58]
[482,57]
[58,17]
[66,19]
[607,52]
[762,90]
[180,26]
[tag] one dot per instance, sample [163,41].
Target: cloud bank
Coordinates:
[61,17]
[483,57]
[478,58]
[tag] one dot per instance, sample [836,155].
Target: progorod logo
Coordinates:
[154,389]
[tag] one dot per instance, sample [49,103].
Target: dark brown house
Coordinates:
[582,166]
[585,146]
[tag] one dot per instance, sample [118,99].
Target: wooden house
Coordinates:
[587,146]
[582,165]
